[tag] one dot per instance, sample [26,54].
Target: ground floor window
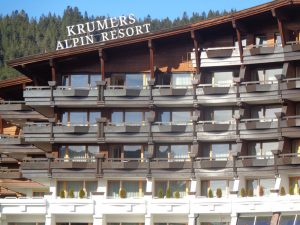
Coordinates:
[125,223]
[215,223]
[26,223]
[289,220]
[254,220]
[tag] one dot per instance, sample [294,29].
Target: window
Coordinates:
[218,151]
[224,185]
[265,112]
[137,81]
[80,118]
[128,151]
[133,188]
[173,151]
[220,115]
[81,80]
[254,220]
[244,42]
[262,149]
[181,186]
[266,183]
[129,117]
[181,80]
[176,117]
[266,75]
[78,151]
[223,79]
[277,39]
[296,146]
[76,186]
[261,40]
[294,184]
[289,219]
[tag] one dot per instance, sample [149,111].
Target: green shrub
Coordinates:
[168,193]
[209,193]
[62,194]
[122,193]
[176,194]
[261,191]
[243,192]
[250,193]
[81,193]
[160,193]
[282,191]
[219,193]
[71,193]
[291,190]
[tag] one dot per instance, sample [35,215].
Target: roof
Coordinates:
[150,36]
[14,81]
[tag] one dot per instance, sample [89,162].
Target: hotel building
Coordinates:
[196,125]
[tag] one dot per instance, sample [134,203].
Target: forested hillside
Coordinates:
[22,36]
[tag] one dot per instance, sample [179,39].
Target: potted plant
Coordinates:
[62,194]
[176,194]
[291,190]
[243,192]
[71,193]
[219,193]
[122,193]
[282,191]
[168,193]
[261,191]
[160,193]
[209,193]
[250,193]
[81,193]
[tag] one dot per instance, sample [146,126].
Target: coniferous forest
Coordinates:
[22,36]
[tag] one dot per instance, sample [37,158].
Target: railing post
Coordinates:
[151,85]
[100,132]
[50,160]
[52,85]
[101,87]
[52,122]
[100,157]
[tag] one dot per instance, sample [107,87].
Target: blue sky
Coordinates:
[140,8]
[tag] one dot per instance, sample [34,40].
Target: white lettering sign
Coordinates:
[102,30]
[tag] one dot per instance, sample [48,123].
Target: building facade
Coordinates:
[196,125]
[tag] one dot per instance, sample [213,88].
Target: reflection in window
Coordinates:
[287,220]
[223,79]
[173,151]
[266,183]
[180,80]
[132,151]
[265,112]
[220,115]
[224,185]
[254,220]
[80,118]
[262,149]
[176,117]
[181,186]
[137,81]
[218,151]
[133,188]
[76,186]
[81,80]
[266,75]
[134,117]
[129,117]
[277,38]
[78,151]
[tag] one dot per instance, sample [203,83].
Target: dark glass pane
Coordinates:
[263,220]
[76,151]
[164,117]
[90,186]
[132,151]
[160,185]
[181,116]
[113,188]
[131,188]
[162,151]
[134,81]
[78,118]
[179,151]
[94,78]
[94,116]
[133,117]
[287,220]
[245,221]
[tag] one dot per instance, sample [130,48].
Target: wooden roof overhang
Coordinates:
[41,60]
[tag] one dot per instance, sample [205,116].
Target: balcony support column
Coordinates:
[195,38]
[1,125]
[101,87]
[52,122]
[149,190]
[53,70]
[151,59]
[280,24]
[50,219]
[100,132]
[102,58]
[52,85]
[236,26]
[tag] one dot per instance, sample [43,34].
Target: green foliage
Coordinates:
[168,193]
[261,191]
[122,193]
[250,193]
[81,193]
[160,193]
[291,190]
[243,192]
[176,194]
[282,191]
[71,193]
[62,194]
[210,193]
[219,192]
[21,36]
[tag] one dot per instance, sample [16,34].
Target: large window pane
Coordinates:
[257,112]
[180,116]
[252,185]
[92,150]
[78,118]
[90,186]
[271,110]
[62,151]
[79,80]
[267,184]
[133,117]
[254,148]
[65,118]
[132,151]
[75,185]
[215,184]
[117,117]
[134,81]
[222,115]
[245,221]
[220,151]
[179,151]
[267,148]
[162,151]
[287,220]
[113,188]
[94,116]
[271,73]
[179,186]
[131,188]
[204,187]
[181,80]
[94,78]
[160,185]
[263,220]
[76,151]
[118,79]
[223,78]
[164,117]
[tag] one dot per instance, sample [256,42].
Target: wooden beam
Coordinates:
[151,58]
[53,70]
[196,50]
[1,125]
[102,63]
[279,17]
[235,25]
